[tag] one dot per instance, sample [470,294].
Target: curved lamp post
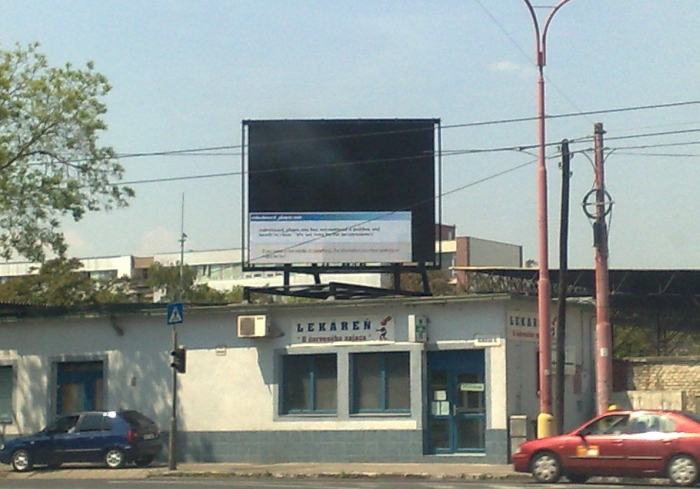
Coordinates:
[544,419]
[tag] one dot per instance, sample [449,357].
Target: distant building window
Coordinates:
[102,275]
[381,382]
[309,384]
[6,388]
[218,271]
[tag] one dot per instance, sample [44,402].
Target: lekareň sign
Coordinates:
[335,330]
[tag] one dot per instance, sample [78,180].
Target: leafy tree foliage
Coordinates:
[438,280]
[51,165]
[167,280]
[60,283]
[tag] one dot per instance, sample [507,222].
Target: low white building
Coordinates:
[221,270]
[98,268]
[329,381]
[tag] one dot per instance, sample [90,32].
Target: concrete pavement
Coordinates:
[340,470]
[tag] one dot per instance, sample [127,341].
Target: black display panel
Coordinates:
[374,165]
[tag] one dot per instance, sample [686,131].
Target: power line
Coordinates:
[200,150]
[653,134]
[660,145]
[447,153]
[661,155]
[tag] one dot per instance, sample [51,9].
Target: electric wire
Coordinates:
[199,150]
[445,153]
[661,155]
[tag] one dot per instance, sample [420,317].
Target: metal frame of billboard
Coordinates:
[318,268]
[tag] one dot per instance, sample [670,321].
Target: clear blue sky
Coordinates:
[186,73]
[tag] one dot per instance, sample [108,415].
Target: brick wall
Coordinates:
[666,374]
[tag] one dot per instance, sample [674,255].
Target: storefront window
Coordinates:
[310,384]
[381,382]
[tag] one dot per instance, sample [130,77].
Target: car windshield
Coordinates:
[693,416]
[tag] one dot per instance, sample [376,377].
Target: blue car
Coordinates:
[114,438]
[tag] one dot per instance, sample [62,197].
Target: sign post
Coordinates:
[174,315]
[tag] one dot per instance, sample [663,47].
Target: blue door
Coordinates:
[456,401]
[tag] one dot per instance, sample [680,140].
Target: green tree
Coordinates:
[57,283]
[51,165]
[438,280]
[167,279]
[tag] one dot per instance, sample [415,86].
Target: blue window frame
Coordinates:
[6,388]
[381,382]
[310,384]
[79,387]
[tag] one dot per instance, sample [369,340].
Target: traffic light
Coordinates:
[179,359]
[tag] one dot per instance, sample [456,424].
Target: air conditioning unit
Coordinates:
[253,327]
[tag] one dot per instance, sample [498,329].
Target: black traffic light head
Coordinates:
[179,359]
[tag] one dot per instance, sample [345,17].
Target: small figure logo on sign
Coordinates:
[175,313]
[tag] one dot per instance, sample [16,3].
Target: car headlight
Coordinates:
[2,446]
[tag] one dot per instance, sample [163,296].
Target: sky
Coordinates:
[185,74]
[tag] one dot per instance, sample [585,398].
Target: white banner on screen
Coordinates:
[330,237]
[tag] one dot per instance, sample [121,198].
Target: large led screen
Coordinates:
[340,191]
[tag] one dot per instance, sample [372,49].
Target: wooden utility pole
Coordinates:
[560,384]
[603,353]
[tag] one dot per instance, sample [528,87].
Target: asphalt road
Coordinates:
[302,483]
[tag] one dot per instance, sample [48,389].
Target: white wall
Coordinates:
[522,367]
[484,252]
[122,264]
[230,383]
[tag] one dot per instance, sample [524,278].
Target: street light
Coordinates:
[544,418]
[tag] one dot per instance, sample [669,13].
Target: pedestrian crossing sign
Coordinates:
[175,313]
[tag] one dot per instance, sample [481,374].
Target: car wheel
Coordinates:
[577,478]
[143,461]
[114,458]
[683,470]
[546,468]
[21,461]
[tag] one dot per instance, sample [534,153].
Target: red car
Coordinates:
[649,443]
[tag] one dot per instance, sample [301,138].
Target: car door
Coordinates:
[600,447]
[88,439]
[59,438]
[649,442]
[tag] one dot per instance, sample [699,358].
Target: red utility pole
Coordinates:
[603,353]
[544,419]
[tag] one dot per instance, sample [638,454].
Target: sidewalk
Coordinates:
[340,470]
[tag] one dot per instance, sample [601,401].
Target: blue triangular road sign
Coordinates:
[175,313]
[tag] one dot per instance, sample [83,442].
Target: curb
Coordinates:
[342,475]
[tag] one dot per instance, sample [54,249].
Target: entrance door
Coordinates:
[456,401]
